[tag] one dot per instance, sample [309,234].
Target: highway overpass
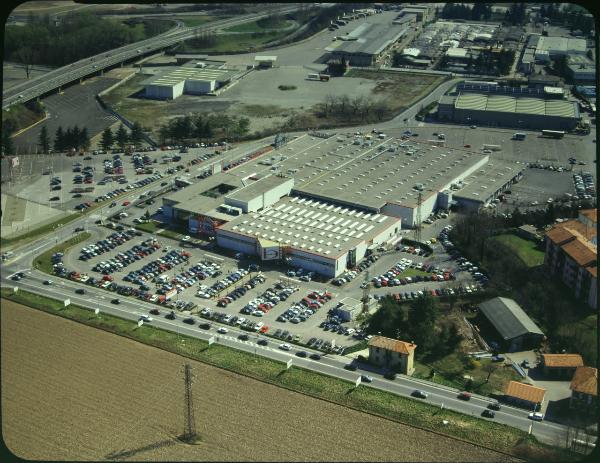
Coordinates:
[81,69]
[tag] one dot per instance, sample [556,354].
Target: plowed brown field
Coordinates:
[76,393]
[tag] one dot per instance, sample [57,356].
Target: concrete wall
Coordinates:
[523,121]
[164,92]
[236,242]
[261,200]
[320,264]
[199,87]
[407,214]
[392,230]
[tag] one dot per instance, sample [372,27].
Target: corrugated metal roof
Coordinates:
[510,104]
[508,318]
[371,39]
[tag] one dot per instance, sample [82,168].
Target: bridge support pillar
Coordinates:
[81,80]
[121,64]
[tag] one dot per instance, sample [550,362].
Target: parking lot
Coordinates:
[202,285]
[75,105]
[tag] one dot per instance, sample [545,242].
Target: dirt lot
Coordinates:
[72,392]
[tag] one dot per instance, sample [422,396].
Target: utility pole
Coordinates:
[189,423]
[365,297]
[418,224]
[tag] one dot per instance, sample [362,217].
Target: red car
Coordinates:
[126,203]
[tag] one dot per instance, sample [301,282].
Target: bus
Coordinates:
[553,133]
[519,136]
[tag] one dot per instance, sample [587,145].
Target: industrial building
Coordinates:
[198,80]
[365,45]
[314,235]
[541,49]
[510,322]
[323,202]
[423,13]
[522,112]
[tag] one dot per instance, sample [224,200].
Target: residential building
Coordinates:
[561,366]
[571,254]
[511,323]
[393,354]
[584,390]
[524,395]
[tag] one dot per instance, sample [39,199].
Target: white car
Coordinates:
[285,346]
[536,416]
[222,330]
[146,318]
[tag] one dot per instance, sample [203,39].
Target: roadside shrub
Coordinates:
[287,87]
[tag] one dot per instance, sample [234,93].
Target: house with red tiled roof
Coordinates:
[571,254]
[524,395]
[584,389]
[560,366]
[392,354]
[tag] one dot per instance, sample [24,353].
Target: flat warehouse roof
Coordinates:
[258,187]
[524,105]
[175,76]
[372,39]
[192,200]
[313,226]
[485,181]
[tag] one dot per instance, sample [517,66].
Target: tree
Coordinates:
[74,137]
[107,139]
[122,137]
[137,134]
[243,125]
[59,140]
[489,368]
[44,140]
[84,139]
[8,146]
[208,131]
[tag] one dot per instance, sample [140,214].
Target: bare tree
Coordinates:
[489,368]
[381,109]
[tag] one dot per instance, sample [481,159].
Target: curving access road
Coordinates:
[57,78]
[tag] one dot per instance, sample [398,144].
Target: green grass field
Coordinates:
[412,272]
[526,250]
[234,43]
[451,369]
[254,27]
[37,232]
[193,21]
[402,409]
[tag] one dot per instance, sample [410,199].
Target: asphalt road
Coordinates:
[55,79]
[331,365]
